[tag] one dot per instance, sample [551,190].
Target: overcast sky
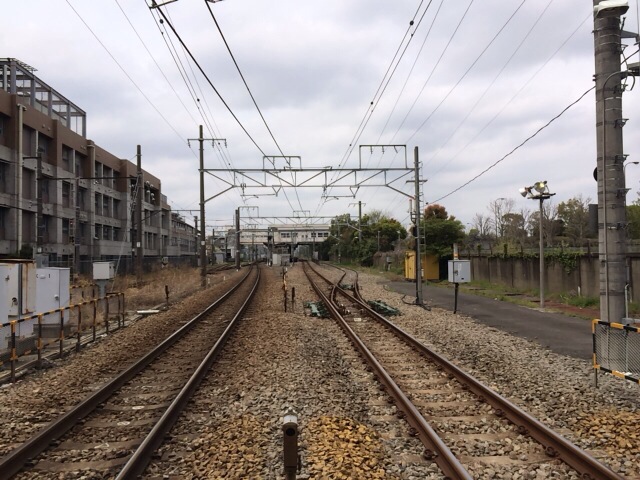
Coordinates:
[475,81]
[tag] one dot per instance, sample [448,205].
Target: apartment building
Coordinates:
[66,198]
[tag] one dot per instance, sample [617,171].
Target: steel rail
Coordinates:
[437,450]
[15,460]
[139,460]
[555,444]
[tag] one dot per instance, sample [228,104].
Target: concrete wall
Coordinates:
[524,274]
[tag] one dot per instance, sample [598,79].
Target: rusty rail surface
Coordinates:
[555,445]
[14,461]
[436,448]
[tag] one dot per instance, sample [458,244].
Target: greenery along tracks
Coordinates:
[129,413]
[478,431]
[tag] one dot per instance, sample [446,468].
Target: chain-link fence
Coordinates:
[616,349]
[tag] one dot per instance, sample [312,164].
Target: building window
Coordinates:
[97,204]
[44,146]
[66,194]
[4,212]
[98,173]
[97,233]
[65,230]
[67,158]
[28,143]
[116,208]
[4,172]
[105,206]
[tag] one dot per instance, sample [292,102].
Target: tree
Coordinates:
[360,246]
[514,228]
[441,231]
[499,208]
[574,214]
[633,221]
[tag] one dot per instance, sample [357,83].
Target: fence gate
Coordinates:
[616,350]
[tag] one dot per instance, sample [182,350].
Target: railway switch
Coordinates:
[290,445]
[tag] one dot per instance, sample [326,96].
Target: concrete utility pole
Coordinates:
[202,238]
[39,215]
[138,219]
[359,221]
[237,239]
[416,167]
[612,221]
[76,227]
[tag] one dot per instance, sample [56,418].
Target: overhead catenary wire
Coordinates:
[473,64]
[491,84]
[125,72]
[397,57]
[220,97]
[204,74]
[255,103]
[524,85]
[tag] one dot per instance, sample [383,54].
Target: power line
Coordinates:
[473,64]
[446,48]
[382,86]
[486,90]
[124,71]
[250,93]
[517,147]
[209,81]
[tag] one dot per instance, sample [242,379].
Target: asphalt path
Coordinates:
[562,334]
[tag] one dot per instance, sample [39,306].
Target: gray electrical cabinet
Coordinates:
[52,292]
[103,271]
[459,271]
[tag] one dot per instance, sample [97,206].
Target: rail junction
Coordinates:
[209,400]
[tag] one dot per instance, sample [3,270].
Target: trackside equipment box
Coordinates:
[459,271]
[103,271]
[52,292]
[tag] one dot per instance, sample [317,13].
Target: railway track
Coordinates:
[115,430]
[467,429]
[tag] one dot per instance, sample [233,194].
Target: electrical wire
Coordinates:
[488,88]
[164,17]
[249,90]
[155,61]
[473,64]
[517,147]
[124,71]
[380,90]
[214,88]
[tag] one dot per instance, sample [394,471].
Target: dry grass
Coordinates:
[150,292]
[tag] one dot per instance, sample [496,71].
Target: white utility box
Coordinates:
[4,294]
[52,292]
[20,295]
[103,270]
[459,271]
[4,306]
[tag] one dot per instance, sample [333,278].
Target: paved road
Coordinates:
[560,333]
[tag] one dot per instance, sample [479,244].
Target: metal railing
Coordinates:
[59,326]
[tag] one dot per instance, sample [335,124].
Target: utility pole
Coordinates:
[612,221]
[203,246]
[39,215]
[237,239]
[359,221]
[138,219]
[416,167]
[76,227]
